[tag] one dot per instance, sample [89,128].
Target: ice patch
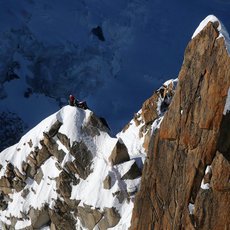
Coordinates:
[227,104]
[22,224]
[191,208]
[208,169]
[173,81]
[156,124]
[221,28]
[159,102]
[205,186]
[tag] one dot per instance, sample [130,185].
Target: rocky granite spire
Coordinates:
[186,177]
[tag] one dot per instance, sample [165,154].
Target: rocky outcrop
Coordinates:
[52,148]
[175,191]
[64,140]
[5,185]
[119,153]
[95,125]
[60,217]
[110,219]
[107,183]
[38,217]
[89,217]
[63,184]
[83,159]
[158,103]
[148,118]
[132,173]
[3,203]
[54,129]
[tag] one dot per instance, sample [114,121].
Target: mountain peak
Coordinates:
[68,170]
[219,27]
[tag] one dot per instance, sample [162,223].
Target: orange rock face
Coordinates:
[186,177]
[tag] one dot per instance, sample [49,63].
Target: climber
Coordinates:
[75,102]
[72,101]
[82,104]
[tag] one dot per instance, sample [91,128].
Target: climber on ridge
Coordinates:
[71,100]
[75,102]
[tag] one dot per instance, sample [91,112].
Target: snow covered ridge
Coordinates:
[64,162]
[222,30]
[68,170]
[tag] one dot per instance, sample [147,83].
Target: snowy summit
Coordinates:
[221,28]
[70,160]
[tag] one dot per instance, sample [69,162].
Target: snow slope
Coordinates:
[69,114]
[67,158]
[74,121]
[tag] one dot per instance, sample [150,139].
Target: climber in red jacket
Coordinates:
[72,101]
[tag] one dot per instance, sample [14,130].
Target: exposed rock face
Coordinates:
[3,203]
[60,217]
[89,217]
[39,218]
[83,158]
[107,182]
[111,218]
[132,173]
[178,189]
[5,185]
[95,124]
[63,184]
[54,129]
[149,117]
[52,148]
[158,103]
[64,140]
[119,153]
